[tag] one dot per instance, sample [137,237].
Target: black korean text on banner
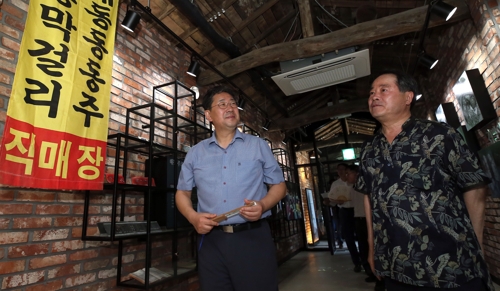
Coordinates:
[57,120]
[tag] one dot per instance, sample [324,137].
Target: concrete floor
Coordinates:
[319,271]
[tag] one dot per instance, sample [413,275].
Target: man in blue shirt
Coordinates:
[229,170]
[425,197]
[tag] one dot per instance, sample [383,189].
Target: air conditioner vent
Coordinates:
[321,67]
[326,73]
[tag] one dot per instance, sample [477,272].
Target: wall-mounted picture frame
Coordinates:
[451,115]
[474,99]
[293,205]
[440,116]
[447,113]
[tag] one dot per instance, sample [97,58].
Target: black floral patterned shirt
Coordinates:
[422,232]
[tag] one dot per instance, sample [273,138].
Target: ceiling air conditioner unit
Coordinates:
[322,71]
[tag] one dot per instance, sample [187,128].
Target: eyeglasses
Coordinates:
[223,105]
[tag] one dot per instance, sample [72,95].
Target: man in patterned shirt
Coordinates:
[425,197]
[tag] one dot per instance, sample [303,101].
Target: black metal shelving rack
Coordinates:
[168,126]
[282,224]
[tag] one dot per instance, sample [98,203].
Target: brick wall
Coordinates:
[473,43]
[40,230]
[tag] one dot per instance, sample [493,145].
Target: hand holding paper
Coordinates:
[225,216]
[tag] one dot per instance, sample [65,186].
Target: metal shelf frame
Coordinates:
[168,126]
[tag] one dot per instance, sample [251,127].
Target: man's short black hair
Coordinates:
[405,83]
[342,164]
[208,98]
[354,168]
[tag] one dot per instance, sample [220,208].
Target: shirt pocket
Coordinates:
[207,176]
[248,172]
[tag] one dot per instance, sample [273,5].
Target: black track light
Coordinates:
[194,68]
[428,61]
[266,125]
[443,10]
[131,20]
[241,104]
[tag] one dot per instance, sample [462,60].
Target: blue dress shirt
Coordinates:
[224,177]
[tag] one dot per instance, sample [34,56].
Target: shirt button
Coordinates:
[224,201]
[224,183]
[224,167]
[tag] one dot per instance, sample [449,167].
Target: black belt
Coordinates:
[232,228]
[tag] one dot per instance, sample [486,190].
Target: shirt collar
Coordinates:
[408,123]
[237,135]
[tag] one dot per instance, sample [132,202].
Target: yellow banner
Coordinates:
[57,119]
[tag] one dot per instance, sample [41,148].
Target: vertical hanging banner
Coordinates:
[57,120]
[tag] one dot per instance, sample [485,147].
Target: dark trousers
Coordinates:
[473,285]
[241,261]
[362,235]
[348,230]
[337,235]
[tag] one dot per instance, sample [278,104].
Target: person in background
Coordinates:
[231,169]
[425,199]
[339,195]
[358,202]
[334,214]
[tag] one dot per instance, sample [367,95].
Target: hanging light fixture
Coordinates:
[443,10]
[132,18]
[241,104]
[266,125]
[194,68]
[427,61]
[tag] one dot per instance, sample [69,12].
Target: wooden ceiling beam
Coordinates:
[320,114]
[363,121]
[168,8]
[306,18]
[269,31]
[311,103]
[328,134]
[365,125]
[332,125]
[362,33]
[405,4]
[305,100]
[256,14]
[357,128]
[339,140]
[246,22]
[354,128]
